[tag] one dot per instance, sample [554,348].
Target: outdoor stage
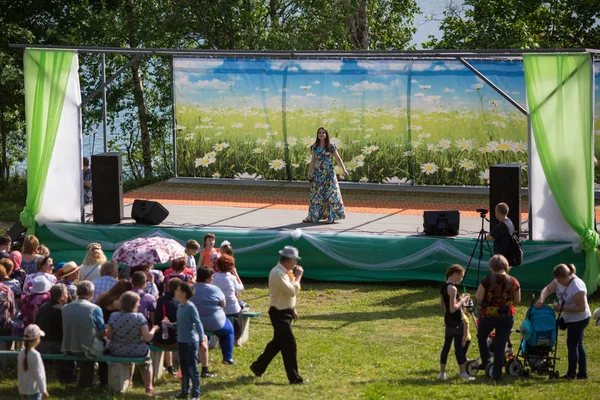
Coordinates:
[381,239]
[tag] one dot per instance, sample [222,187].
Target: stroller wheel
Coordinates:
[489,370]
[472,367]
[514,367]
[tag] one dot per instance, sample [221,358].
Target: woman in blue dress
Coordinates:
[325,200]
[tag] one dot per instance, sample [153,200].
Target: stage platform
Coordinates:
[381,239]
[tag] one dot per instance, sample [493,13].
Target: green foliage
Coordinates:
[139,100]
[12,199]
[516,24]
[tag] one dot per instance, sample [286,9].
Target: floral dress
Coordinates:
[325,200]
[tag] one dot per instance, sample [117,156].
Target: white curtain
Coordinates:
[63,196]
[548,222]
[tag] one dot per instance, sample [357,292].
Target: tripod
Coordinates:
[479,243]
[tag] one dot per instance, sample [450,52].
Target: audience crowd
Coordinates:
[96,309]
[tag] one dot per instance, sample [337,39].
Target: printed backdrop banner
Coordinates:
[422,122]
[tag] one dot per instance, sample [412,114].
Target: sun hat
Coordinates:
[69,269]
[290,252]
[225,243]
[40,284]
[33,332]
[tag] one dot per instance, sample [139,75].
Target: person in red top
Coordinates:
[497,294]
[178,270]
[208,250]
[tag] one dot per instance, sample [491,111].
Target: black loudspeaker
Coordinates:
[441,222]
[505,187]
[107,188]
[148,212]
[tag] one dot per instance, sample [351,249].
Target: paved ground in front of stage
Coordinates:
[262,207]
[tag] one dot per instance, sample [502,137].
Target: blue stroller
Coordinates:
[537,352]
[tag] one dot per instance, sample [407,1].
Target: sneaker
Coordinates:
[443,376]
[466,377]
[195,398]
[182,396]
[228,362]
[207,374]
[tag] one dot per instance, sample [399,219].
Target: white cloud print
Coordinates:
[197,63]
[332,66]
[366,85]
[214,84]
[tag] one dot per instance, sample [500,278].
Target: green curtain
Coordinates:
[46,77]
[560,99]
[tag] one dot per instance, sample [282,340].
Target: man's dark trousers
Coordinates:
[284,341]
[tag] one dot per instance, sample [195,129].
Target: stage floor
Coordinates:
[282,206]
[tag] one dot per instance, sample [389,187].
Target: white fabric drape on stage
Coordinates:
[63,196]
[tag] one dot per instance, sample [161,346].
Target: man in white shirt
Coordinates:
[284,285]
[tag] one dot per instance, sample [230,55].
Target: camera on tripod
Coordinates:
[482,212]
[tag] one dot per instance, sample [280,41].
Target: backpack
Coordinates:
[514,253]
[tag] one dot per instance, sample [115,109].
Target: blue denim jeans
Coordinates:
[188,361]
[502,325]
[226,339]
[576,351]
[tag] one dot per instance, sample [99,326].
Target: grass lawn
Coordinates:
[358,342]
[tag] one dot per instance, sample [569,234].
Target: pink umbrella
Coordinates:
[153,250]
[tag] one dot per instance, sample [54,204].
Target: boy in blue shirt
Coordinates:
[189,333]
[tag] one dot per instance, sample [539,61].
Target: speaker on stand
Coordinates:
[505,187]
[107,188]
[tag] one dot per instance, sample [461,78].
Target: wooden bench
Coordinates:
[119,377]
[245,334]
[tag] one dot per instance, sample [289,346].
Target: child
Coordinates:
[225,248]
[192,248]
[209,249]
[30,370]
[452,304]
[189,333]
[466,341]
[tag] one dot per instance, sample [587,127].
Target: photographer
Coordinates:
[502,233]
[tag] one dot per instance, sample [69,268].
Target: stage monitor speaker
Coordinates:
[505,187]
[107,188]
[148,212]
[446,223]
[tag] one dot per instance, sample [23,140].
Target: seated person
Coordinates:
[39,294]
[7,305]
[128,333]
[49,319]
[210,302]
[44,266]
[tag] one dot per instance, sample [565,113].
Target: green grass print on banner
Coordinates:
[374,144]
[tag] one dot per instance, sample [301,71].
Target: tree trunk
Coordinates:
[143,116]
[358,25]
[132,23]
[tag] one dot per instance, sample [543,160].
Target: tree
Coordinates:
[516,24]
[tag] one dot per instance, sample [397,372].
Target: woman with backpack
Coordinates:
[497,294]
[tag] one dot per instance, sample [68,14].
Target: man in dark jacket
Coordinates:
[502,232]
[49,319]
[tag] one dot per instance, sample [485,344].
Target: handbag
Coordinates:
[454,330]
[562,325]
[560,322]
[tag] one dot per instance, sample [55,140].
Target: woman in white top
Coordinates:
[572,296]
[228,280]
[30,370]
[94,258]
